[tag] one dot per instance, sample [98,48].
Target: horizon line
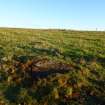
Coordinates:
[54,28]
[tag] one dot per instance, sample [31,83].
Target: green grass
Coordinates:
[84,85]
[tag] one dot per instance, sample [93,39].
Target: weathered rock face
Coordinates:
[44,67]
[45,64]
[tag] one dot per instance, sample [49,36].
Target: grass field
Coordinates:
[83,51]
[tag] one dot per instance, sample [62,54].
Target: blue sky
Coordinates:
[70,14]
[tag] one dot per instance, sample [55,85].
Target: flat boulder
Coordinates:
[44,67]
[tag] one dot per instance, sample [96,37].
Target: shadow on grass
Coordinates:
[93,95]
[41,93]
[72,53]
[11,93]
[44,74]
[98,83]
[76,54]
[1,52]
[42,51]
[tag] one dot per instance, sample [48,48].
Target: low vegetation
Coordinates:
[52,67]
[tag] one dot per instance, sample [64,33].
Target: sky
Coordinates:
[64,14]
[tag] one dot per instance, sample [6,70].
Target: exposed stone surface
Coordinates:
[44,67]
